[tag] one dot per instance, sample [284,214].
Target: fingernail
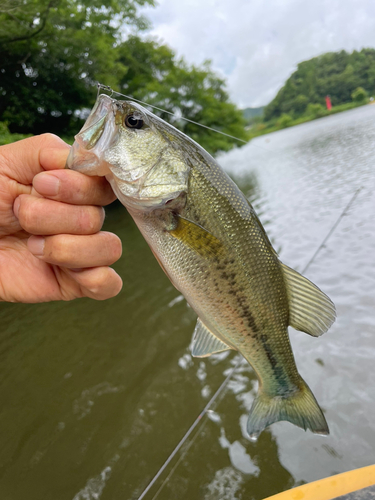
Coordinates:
[16,207]
[35,245]
[46,184]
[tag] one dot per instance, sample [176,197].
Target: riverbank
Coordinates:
[287,121]
[257,130]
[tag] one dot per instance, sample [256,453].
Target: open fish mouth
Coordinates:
[86,154]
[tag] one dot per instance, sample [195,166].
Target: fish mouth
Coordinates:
[102,107]
[86,154]
[82,160]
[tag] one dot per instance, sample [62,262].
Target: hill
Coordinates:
[249,113]
[337,74]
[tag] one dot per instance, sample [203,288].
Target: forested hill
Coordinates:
[336,74]
[250,113]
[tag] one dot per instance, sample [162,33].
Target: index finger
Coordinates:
[73,187]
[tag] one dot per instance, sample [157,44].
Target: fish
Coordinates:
[211,244]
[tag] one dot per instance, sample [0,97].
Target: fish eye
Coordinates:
[132,121]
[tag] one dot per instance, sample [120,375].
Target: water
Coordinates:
[95,396]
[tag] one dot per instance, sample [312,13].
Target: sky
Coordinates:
[257,44]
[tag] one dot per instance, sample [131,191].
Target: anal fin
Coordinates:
[310,310]
[205,342]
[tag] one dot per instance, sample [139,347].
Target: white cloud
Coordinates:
[257,44]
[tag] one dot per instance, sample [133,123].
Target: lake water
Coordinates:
[95,396]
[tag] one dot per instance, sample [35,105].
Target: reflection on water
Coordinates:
[95,396]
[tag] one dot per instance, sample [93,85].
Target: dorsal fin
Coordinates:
[310,310]
[205,342]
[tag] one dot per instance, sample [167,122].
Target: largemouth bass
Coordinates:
[209,241]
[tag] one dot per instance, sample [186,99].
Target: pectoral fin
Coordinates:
[196,237]
[310,310]
[205,342]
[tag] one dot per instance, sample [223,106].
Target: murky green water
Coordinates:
[95,396]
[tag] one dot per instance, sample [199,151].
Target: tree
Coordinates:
[52,52]
[300,104]
[359,95]
[315,110]
[285,121]
[155,75]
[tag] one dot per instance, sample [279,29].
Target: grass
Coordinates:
[6,137]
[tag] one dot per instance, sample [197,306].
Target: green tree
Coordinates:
[155,75]
[315,110]
[285,121]
[52,52]
[359,95]
[300,104]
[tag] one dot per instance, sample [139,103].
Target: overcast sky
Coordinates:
[256,44]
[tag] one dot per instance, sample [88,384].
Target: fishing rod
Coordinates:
[223,385]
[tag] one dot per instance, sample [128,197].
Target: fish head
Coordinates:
[136,151]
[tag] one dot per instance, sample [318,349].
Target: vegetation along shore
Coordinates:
[347,79]
[49,69]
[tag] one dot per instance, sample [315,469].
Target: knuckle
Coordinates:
[56,250]
[116,247]
[98,281]
[26,215]
[92,219]
[102,283]
[48,138]
[112,246]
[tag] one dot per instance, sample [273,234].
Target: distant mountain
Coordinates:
[337,74]
[251,112]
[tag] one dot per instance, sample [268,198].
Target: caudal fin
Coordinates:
[299,407]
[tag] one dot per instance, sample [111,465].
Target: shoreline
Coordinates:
[258,130]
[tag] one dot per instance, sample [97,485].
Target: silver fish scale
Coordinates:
[239,294]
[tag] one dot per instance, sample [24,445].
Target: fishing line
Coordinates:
[227,379]
[333,228]
[105,87]
[182,456]
[190,430]
[109,89]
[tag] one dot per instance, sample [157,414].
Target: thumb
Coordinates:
[24,159]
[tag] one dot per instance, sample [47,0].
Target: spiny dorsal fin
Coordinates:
[310,310]
[205,342]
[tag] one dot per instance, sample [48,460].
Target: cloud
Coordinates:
[257,44]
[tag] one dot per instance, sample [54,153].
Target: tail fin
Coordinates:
[300,408]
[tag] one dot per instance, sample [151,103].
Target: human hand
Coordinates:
[51,246]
